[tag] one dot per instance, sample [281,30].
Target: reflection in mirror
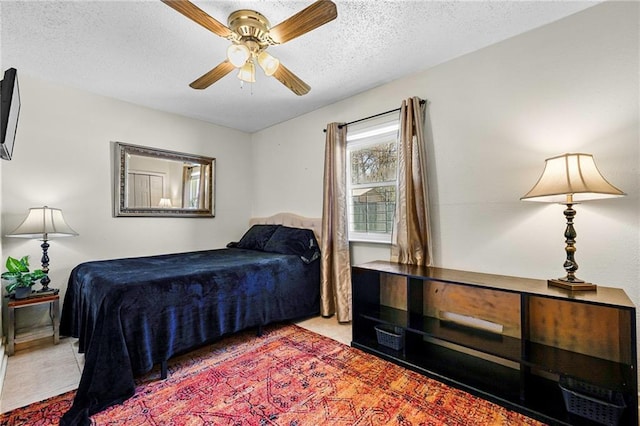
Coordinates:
[155,182]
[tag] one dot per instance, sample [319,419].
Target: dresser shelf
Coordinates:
[518,368]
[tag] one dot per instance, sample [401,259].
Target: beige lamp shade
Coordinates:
[43,223]
[238,54]
[165,203]
[571,178]
[268,63]
[247,72]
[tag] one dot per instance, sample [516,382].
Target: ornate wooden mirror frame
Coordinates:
[150,182]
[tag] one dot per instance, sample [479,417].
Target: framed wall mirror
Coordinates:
[150,182]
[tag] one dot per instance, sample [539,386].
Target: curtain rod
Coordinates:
[340,126]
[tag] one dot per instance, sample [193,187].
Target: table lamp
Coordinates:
[165,203]
[43,223]
[569,179]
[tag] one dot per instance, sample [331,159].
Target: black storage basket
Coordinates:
[390,336]
[601,405]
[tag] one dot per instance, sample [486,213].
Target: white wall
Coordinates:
[495,116]
[62,158]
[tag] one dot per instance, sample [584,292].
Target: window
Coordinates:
[372,159]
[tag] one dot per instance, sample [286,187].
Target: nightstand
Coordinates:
[54,312]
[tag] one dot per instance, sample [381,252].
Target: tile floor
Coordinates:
[45,370]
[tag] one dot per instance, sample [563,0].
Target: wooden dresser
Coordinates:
[510,340]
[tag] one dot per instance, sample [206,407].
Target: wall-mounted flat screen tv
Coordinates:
[9,110]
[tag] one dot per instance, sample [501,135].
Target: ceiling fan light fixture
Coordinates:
[248,72]
[250,33]
[268,63]
[238,54]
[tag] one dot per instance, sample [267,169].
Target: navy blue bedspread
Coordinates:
[130,314]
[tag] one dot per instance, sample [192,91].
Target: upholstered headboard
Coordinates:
[292,220]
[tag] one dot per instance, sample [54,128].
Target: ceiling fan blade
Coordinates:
[310,18]
[199,16]
[214,75]
[289,79]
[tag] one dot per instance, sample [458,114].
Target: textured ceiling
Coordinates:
[146,53]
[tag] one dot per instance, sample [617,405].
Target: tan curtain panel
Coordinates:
[335,279]
[202,187]
[186,175]
[411,237]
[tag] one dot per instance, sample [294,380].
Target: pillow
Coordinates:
[310,255]
[297,241]
[256,237]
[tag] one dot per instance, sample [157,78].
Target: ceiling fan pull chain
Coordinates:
[250,87]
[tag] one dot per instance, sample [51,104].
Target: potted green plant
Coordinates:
[18,277]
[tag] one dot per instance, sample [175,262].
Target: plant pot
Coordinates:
[22,292]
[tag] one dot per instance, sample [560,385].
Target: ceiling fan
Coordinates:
[251,34]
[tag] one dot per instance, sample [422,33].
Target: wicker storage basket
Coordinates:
[390,336]
[595,403]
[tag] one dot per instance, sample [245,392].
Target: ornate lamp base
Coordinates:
[45,266]
[571,282]
[574,285]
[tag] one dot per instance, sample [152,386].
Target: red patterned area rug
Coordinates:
[287,377]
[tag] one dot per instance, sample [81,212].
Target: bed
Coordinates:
[131,314]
